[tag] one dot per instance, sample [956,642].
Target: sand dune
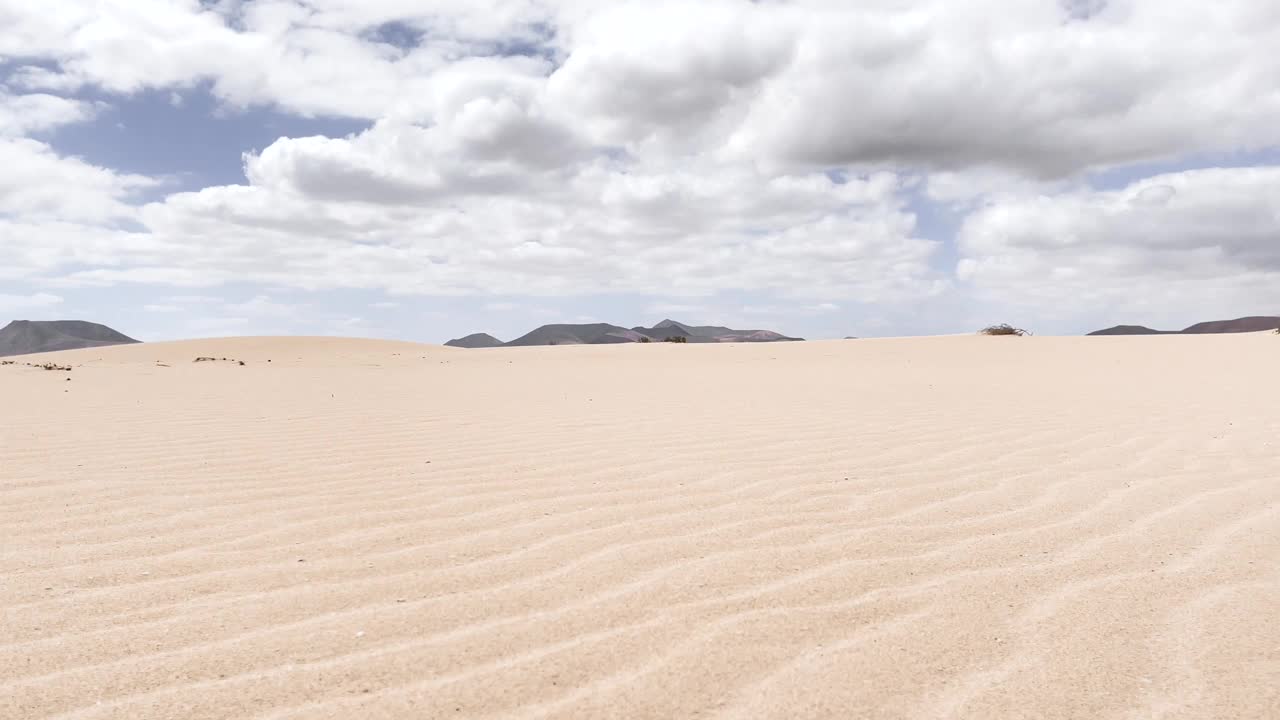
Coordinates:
[956,527]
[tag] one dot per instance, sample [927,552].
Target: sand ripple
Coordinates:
[934,528]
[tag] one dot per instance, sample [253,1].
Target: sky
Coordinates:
[425,169]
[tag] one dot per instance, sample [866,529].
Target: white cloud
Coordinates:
[24,114]
[304,57]
[1192,244]
[263,306]
[185,316]
[37,183]
[668,309]
[416,210]
[1042,87]
[673,149]
[24,303]
[943,84]
[593,227]
[961,190]
[43,250]
[670,70]
[952,84]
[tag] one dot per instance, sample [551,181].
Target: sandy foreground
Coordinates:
[924,528]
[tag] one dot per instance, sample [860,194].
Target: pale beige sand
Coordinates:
[928,528]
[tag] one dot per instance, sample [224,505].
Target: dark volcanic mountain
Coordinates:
[1131,330]
[1239,325]
[592,334]
[710,333]
[606,334]
[477,340]
[23,337]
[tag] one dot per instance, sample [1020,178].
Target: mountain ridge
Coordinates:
[27,337]
[609,334]
[1252,323]
[475,341]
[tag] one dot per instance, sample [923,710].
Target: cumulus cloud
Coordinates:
[487,136]
[27,303]
[955,84]
[938,85]
[58,212]
[297,55]
[669,70]
[37,183]
[1042,87]
[22,114]
[673,149]
[1167,247]
[591,226]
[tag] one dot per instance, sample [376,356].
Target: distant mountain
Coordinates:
[592,334]
[710,333]
[23,337]
[1239,325]
[1131,330]
[606,334]
[477,340]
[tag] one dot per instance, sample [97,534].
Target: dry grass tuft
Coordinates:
[42,366]
[214,359]
[1004,329]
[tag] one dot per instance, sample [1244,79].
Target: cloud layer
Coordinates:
[801,150]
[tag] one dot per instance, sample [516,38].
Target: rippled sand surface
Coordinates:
[955,527]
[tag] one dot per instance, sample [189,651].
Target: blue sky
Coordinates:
[185,135]
[324,168]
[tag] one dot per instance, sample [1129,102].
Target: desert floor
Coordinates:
[957,527]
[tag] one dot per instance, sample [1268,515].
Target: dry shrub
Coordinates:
[1005,329]
[50,366]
